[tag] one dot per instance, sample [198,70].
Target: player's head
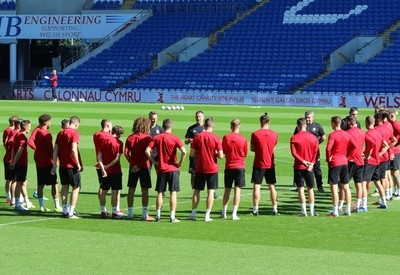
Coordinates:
[117,131]
[74,122]
[106,125]
[351,121]
[167,124]
[379,108]
[301,124]
[17,123]
[45,120]
[141,125]
[54,71]
[335,122]
[309,116]
[25,126]
[199,117]
[378,118]
[11,120]
[369,122]
[385,115]
[153,116]
[209,123]
[65,123]
[235,124]
[264,119]
[392,115]
[353,111]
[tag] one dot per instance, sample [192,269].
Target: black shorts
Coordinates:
[338,175]
[236,176]
[356,172]
[9,174]
[200,181]
[302,176]
[383,167]
[370,172]
[259,173]
[395,163]
[44,176]
[20,173]
[113,181]
[143,175]
[99,176]
[170,178]
[192,165]
[70,176]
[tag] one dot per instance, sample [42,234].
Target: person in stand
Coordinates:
[54,85]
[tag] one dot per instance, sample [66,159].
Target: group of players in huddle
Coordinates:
[371,156]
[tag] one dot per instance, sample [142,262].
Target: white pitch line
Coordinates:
[29,221]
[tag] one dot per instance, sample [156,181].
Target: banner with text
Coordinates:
[89,26]
[203,97]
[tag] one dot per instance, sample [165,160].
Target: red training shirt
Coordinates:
[235,149]
[358,136]
[206,145]
[44,148]
[166,145]
[338,146]
[109,149]
[263,142]
[135,147]
[20,140]
[64,141]
[304,147]
[373,144]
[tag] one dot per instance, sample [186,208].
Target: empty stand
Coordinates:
[262,52]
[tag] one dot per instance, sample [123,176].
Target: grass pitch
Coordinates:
[44,243]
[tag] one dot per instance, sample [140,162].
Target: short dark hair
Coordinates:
[167,124]
[370,120]
[152,113]
[351,120]
[352,109]
[44,118]
[336,120]
[208,123]
[117,130]
[104,122]
[24,123]
[74,120]
[65,123]
[235,123]
[301,122]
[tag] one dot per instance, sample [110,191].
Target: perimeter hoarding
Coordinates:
[89,26]
[207,97]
